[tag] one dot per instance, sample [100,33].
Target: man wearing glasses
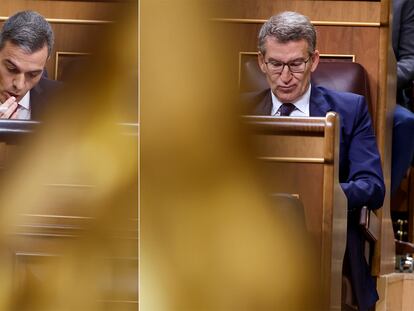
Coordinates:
[287,57]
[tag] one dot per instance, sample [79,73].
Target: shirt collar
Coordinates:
[301,104]
[25,101]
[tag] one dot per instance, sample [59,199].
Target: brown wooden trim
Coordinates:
[69,21]
[59,53]
[316,23]
[293,159]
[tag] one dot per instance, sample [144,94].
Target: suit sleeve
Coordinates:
[405,59]
[364,185]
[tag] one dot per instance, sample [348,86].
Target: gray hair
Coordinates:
[285,27]
[29,30]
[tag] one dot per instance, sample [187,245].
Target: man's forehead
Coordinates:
[271,40]
[292,47]
[23,59]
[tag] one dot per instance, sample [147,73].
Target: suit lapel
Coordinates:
[35,100]
[265,105]
[318,106]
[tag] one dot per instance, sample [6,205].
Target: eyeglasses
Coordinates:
[295,66]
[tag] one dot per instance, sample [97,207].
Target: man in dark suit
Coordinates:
[26,42]
[403,46]
[287,57]
[403,128]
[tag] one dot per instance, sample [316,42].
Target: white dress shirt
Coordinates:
[23,109]
[301,105]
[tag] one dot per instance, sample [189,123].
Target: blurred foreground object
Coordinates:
[210,238]
[69,193]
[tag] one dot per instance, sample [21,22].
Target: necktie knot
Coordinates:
[286,109]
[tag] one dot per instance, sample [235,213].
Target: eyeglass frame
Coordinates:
[287,64]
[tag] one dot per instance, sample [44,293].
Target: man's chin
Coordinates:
[286,99]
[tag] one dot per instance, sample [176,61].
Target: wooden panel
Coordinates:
[99,0]
[396,292]
[66,63]
[87,10]
[323,200]
[117,285]
[384,123]
[285,178]
[73,38]
[39,245]
[309,147]
[356,11]
[359,41]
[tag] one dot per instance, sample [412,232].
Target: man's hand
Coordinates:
[8,110]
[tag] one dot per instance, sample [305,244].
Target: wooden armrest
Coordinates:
[402,248]
[369,224]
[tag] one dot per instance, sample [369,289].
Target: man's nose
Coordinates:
[286,75]
[18,81]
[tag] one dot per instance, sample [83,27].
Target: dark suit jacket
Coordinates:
[40,95]
[360,172]
[403,44]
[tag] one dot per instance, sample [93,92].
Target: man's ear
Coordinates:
[315,60]
[260,60]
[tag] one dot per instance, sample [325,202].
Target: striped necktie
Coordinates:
[286,109]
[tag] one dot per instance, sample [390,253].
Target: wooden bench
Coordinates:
[300,156]
[41,236]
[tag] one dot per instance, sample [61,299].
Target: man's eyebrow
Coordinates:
[292,60]
[36,71]
[274,60]
[17,67]
[11,63]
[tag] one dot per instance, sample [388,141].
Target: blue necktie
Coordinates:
[286,109]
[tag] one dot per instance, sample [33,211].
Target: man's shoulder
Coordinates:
[252,100]
[46,84]
[349,105]
[41,95]
[253,97]
[339,100]
[334,94]
[45,88]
